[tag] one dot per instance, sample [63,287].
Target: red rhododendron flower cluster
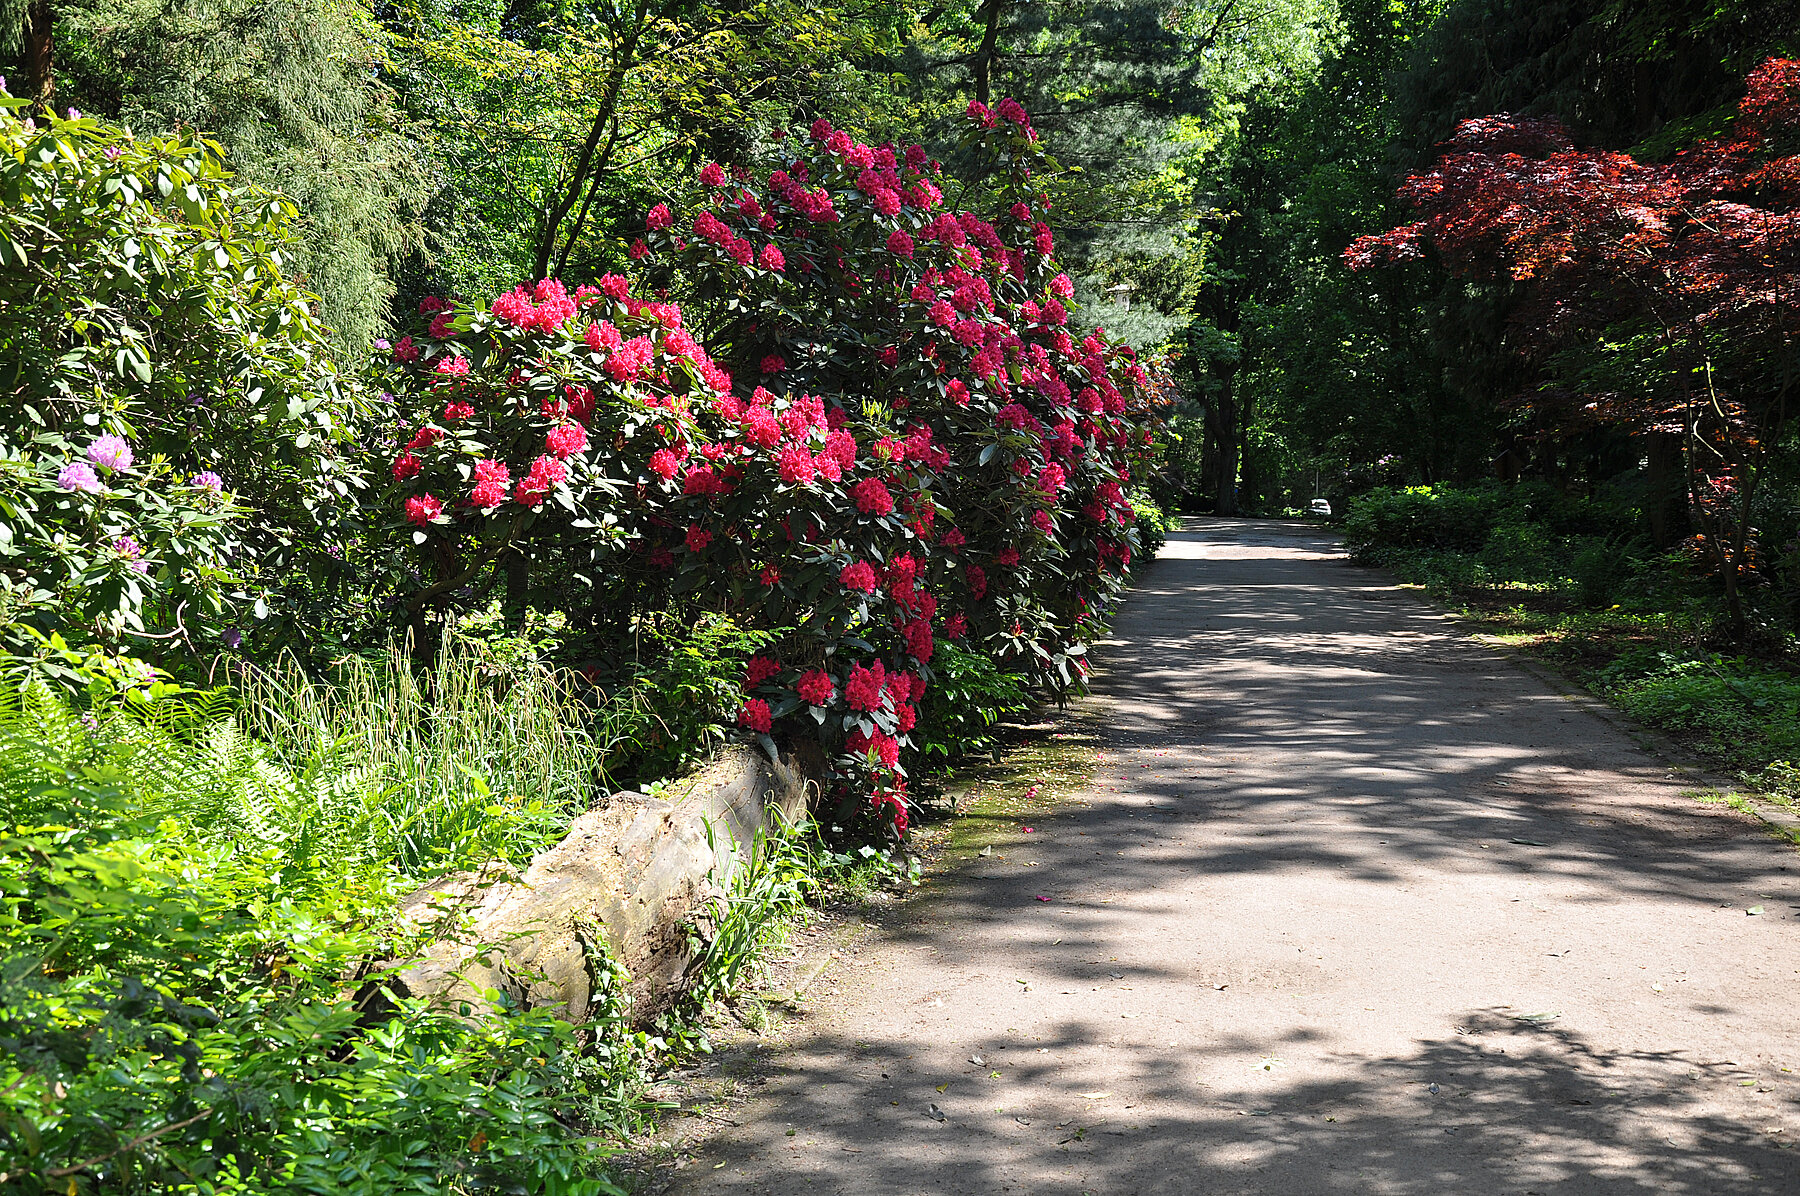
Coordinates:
[816,687]
[754,715]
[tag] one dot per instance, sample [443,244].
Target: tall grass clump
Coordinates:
[460,761]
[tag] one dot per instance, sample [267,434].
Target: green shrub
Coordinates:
[144,296]
[973,693]
[1153,526]
[1462,519]
[1519,552]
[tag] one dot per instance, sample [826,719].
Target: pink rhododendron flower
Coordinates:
[630,359]
[774,363]
[880,745]
[713,175]
[771,258]
[840,446]
[565,440]
[864,687]
[900,244]
[1007,557]
[918,638]
[761,427]
[423,509]
[872,497]
[451,368]
[665,463]
[697,538]
[1040,519]
[703,481]
[797,465]
[977,581]
[603,337]
[457,410]
[546,473]
[759,670]
[110,452]
[659,217]
[491,481]
[406,466]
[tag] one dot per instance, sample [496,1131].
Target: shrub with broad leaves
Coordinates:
[167,418]
[890,439]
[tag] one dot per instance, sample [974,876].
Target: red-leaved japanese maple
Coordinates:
[1698,258]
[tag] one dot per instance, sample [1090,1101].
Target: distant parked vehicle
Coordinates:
[1319,507]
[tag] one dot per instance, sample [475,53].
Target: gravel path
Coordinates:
[1352,904]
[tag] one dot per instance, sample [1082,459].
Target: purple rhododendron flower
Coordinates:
[78,476]
[110,452]
[207,480]
[128,548]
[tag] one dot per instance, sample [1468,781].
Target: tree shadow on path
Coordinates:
[1332,853]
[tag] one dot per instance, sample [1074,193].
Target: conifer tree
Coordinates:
[289,88]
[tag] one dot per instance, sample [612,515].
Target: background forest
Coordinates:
[422,418]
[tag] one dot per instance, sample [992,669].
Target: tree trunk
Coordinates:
[1222,427]
[1665,500]
[984,57]
[518,586]
[40,56]
[586,164]
[1247,488]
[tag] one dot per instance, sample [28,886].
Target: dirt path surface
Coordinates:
[1352,904]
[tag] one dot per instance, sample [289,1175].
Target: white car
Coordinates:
[1319,507]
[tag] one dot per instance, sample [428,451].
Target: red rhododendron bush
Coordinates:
[888,438]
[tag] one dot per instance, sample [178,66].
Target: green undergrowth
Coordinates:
[1739,714]
[197,929]
[1572,581]
[194,990]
